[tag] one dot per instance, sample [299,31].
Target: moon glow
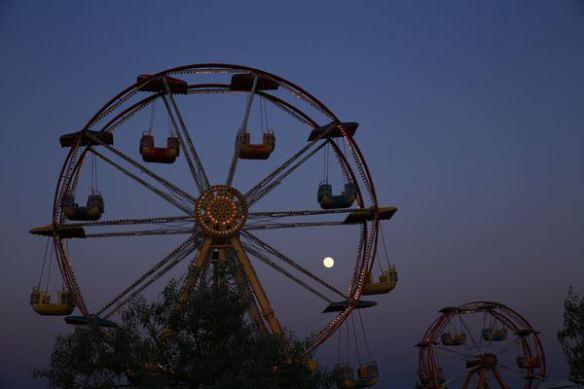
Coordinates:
[328,262]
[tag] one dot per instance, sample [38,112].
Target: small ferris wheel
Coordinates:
[481,345]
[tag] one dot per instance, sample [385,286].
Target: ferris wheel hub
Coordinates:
[490,361]
[221,211]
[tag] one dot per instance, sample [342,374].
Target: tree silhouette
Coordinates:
[210,345]
[571,336]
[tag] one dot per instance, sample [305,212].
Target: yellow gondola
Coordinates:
[41,303]
[387,282]
[344,377]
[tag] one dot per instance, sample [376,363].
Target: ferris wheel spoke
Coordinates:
[275,178]
[178,192]
[279,214]
[270,219]
[472,338]
[157,271]
[184,137]
[270,226]
[455,379]
[242,130]
[125,222]
[508,347]
[263,246]
[155,232]
[462,356]
[172,200]
[264,258]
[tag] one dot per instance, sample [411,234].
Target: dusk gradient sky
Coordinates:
[471,120]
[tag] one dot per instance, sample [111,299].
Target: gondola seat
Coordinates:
[344,377]
[455,339]
[41,303]
[167,154]
[260,151]
[387,282]
[494,334]
[327,200]
[91,212]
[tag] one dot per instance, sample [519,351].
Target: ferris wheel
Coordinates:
[219,219]
[481,345]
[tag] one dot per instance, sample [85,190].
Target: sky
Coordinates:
[470,121]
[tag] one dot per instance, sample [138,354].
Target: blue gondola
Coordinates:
[494,334]
[327,200]
[91,212]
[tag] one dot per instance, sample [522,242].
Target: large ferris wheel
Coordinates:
[218,219]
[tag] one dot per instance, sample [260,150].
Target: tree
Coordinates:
[210,345]
[571,336]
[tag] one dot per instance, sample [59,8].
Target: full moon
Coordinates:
[328,262]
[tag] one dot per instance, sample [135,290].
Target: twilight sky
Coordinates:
[470,116]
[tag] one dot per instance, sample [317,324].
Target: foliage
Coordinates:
[210,345]
[571,336]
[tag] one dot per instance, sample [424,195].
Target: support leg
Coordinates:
[258,290]
[253,310]
[499,379]
[192,276]
[468,378]
[482,379]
